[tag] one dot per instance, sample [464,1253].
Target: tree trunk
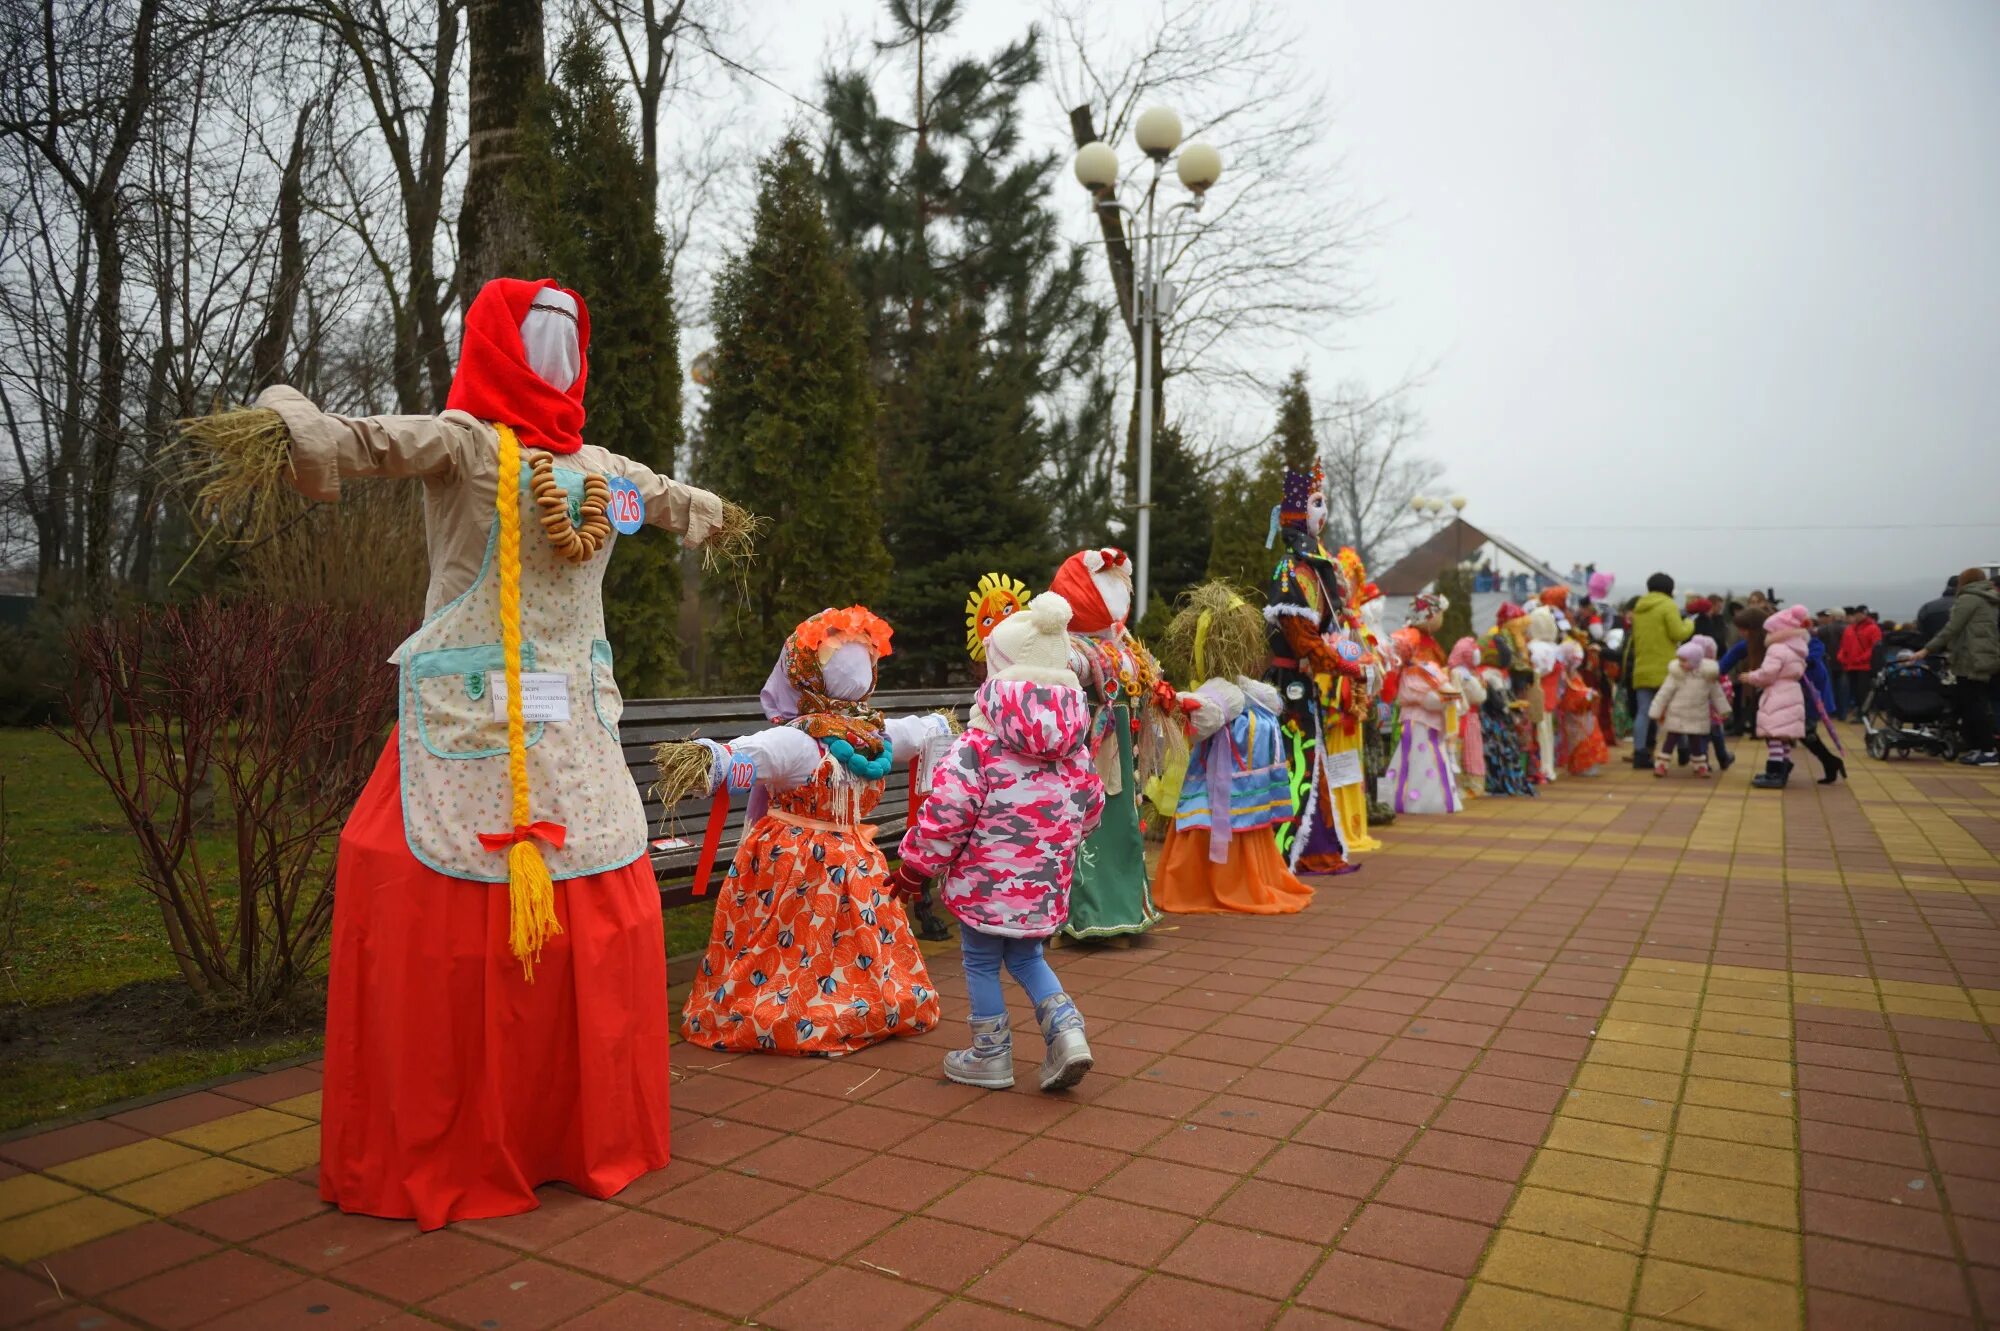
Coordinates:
[495,238]
[267,356]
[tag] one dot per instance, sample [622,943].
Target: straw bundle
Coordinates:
[1227,627]
[731,544]
[685,769]
[234,463]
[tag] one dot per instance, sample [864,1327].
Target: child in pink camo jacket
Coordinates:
[1009,805]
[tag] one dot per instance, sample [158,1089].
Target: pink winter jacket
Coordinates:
[1009,805]
[1781,712]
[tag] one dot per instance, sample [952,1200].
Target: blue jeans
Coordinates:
[1642,721]
[986,953]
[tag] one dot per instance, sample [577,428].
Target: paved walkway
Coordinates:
[1637,1053]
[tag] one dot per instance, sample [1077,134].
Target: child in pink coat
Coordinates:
[1781,710]
[1009,805]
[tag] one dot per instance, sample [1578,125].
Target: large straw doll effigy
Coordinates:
[1353,697]
[1421,777]
[1135,726]
[1222,854]
[496,1015]
[1307,655]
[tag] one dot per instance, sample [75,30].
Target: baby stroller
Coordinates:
[1907,709]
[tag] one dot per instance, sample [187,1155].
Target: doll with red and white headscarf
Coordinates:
[496,1013]
[1421,776]
[1135,718]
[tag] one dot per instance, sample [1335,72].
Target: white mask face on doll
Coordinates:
[1115,586]
[849,670]
[1316,514]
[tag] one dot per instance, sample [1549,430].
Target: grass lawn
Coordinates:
[87,985]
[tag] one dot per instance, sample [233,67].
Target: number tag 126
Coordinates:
[628,510]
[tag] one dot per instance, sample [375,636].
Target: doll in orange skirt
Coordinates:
[1222,853]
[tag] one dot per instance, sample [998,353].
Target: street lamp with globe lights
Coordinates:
[1158,133]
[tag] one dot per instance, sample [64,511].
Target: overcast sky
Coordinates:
[1710,285]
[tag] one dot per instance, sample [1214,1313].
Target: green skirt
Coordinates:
[1110,893]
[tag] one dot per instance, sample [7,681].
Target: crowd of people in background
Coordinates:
[1785,671]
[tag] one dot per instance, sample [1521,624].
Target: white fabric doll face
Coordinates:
[1115,586]
[848,667]
[548,337]
[1316,514]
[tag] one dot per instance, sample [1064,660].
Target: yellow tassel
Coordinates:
[531,905]
[531,895]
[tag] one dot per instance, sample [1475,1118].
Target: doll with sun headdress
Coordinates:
[810,952]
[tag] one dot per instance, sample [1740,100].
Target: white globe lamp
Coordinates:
[1096,166]
[1158,132]
[1200,166]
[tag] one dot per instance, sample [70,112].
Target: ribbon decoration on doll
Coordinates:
[742,776]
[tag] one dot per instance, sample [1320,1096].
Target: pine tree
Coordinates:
[592,209]
[1183,516]
[1242,524]
[1297,448]
[789,427]
[958,260]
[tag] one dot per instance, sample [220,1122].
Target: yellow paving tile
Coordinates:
[1779,1009]
[1720,1021]
[1946,1009]
[1851,1000]
[1496,1308]
[226,1134]
[1544,1265]
[1633,1111]
[1729,1067]
[31,1192]
[1713,1041]
[1737,1160]
[1656,1014]
[283,1155]
[1735,1126]
[1567,1215]
[122,1164]
[1665,1086]
[1607,1139]
[1740,1095]
[1637,1032]
[304,1106]
[1715,1299]
[32,1237]
[191,1185]
[1684,1000]
[1647,1058]
[1731,1199]
[1768,991]
[1827,980]
[1595,1176]
[1748,1250]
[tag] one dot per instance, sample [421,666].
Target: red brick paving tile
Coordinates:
[888,1180]
[1982,1238]
[1857,1112]
[1118,1231]
[1349,1132]
[271,1087]
[1022,1110]
[527,1296]
[1212,1148]
[423,1266]
[734,1277]
[634,1311]
[1262,1118]
[1409,1076]
[1433,1242]
[1342,1040]
[1228,1050]
[786,1110]
[1290,1212]
[1198,1074]
[717,1141]
[962,1316]
[932,1098]
[80,1317]
[119,1259]
[1844,1312]
[1183,1189]
[23,1296]
[1876,1222]
[1488,1088]
[1067,1287]
[1242,1259]
[801,1161]
[1866,1179]
[1136,1035]
[1324,1170]
[1163,1303]
[1315,1062]
[183,1111]
[330,1238]
[1974,1197]
[1360,1019]
[1053,1160]
[1527,1067]
[1481,1200]
[1471,1155]
[1155,1098]
[1974,1129]
[1986,1289]
[1521,1126]
[1113,1129]
[970,1145]
[679,1173]
[1384,1103]
[202,1290]
[1854,1268]
[1965,1158]
[870,1127]
[1904,1150]
[562,1214]
[319,1304]
[245,1215]
[1007,1205]
[822,1227]
[937,1253]
[1288,1088]
[844,1299]
[723,1199]
[631,1246]
[1809,1053]
[1945,1095]
[62,1145]
[1840,1081]
[712,1095]
[1382,1292]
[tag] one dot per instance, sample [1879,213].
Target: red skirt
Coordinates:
[454,1087]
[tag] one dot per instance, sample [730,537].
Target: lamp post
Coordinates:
[1158,133]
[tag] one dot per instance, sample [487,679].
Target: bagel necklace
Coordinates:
[574,543]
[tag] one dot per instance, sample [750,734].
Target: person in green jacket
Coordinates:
[1658,630]
[1971,639]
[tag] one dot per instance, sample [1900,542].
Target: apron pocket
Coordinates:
[604,694]
[452,697]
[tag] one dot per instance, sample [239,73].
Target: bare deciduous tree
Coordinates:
[1366,444]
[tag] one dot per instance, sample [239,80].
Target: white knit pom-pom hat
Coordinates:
[1033,644]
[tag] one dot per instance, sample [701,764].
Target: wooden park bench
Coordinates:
[675,834]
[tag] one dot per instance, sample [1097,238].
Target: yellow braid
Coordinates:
[531,894]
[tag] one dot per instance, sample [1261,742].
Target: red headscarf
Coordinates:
[494,381]
[1073,582]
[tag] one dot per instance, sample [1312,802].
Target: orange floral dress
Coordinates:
[809,952]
